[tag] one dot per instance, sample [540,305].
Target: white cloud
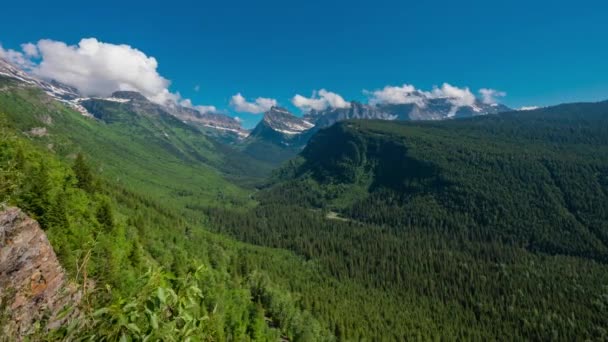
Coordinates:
[458,97]
[305,103]
[206,109]
[319,101]
[202,109]
[17,58]
[98,69]
[396,95]
[260,105]
[407,94]
[488,96]
[186,103]
[30,50]
[529,107]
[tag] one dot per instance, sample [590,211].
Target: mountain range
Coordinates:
[280,135]
[279,131]
[344,224]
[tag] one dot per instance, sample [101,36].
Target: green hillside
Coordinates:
[470,229]
[538,180]
[158,273]
[145,150]
[474,227]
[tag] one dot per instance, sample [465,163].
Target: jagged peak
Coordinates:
[279,109]
[129,95]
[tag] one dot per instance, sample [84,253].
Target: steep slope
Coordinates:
[426,109]
[149,265]
[440,109]
[217,125]
[471,227]
[134,142]
[133,114]
[515,175]
[33,283]
[279,136]
[222,127]
[356,110]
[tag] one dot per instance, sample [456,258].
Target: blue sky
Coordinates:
[538,52]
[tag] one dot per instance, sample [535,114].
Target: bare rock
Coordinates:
[33,285]
[38,132]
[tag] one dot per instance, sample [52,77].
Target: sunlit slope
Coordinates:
[537,179]
[151,152]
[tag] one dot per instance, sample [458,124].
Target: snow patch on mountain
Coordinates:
[64,93]
[241,133]
[281,120]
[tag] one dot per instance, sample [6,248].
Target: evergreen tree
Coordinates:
[83,174]
[105,215]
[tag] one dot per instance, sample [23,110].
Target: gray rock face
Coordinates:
[209,121]
[356,110]
[53,88]
[440,109]
[32,282]
[129,95]
[430,109]
[281,120]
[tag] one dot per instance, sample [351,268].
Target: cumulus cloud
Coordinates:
[396,95]
[206,109]
[30,50]
[259,105]
[200,108]
[98,69]
[488,96]
[408,94]
[319,101]
[17,58]
[458,97]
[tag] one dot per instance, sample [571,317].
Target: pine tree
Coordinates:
[83,174]
[105,215]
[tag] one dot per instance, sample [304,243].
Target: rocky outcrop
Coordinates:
[33,285]
[356,110]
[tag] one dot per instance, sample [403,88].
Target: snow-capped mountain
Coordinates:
[53,88]
[282,127]
[64,93]
[210,122]
[282,134]
[356,110]
[278,126]
[282,121]
[429,109]
[219,124]
[440,109]
[278,137]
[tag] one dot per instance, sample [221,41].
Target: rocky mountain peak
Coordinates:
[356,110]
[283,121]
[129,95]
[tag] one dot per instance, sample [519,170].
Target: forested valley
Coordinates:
[471,229]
